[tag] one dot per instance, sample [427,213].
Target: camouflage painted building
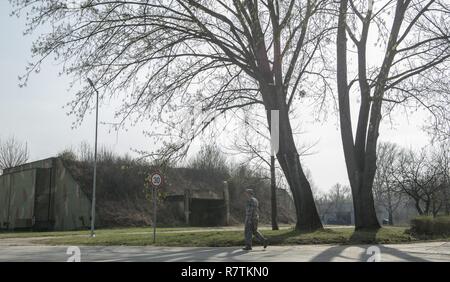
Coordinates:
[42,195]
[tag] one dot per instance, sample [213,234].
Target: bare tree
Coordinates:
[211,161]
[439,157]
[183,64]
[416,51]
[442,159]
[85,152]
[13,153]
[249,142]
[421,176]
[386,191]
[253,141]
[333,201]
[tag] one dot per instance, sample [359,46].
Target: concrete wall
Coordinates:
[21,206]
[71,206]
[17,199]
[4,200]
[201,207]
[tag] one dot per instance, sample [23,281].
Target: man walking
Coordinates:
[251,221]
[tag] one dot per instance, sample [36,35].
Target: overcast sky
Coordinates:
[35,114]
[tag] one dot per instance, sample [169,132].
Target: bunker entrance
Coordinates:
[207,212]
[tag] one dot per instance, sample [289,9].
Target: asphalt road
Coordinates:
[430,251]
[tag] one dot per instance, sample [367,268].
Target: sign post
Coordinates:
[156,180]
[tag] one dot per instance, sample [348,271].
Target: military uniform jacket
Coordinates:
[251,210]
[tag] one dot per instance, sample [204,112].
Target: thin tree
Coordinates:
[256,152]
[13,153]
[386,192]
[334,201]
[211,161]
[416,52]
[252,140]
[183,64]
[441,157]
[422,179]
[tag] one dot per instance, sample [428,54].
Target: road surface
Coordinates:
[19,250]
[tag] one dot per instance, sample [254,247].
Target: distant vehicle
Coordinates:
[340,218]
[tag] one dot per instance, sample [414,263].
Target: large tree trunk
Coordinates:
[356,158]
[360,154]
[365,214]
[418,208]
[366,159]
[273,189]
[274,96]
[307,216]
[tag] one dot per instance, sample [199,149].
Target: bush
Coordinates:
[442,225]
[431,226]
[124,200]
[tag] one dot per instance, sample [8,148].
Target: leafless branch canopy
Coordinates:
[414,36]
[184,63]
[12,153]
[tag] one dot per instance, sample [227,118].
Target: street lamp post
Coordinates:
[95,163]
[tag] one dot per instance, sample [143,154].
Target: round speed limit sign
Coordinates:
[156,179]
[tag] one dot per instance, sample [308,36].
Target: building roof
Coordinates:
[44,163]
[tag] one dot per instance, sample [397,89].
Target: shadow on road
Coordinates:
[195,254]
[367,238]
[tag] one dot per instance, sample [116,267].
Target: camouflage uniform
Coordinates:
[251,223]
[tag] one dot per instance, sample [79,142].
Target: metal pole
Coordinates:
[95,164]
[154,215]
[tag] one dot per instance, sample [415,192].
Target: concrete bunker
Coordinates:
[42,195]
[202,207]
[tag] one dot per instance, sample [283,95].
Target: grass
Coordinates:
[117,231]
[196,237]
[208,237]
[100,232]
